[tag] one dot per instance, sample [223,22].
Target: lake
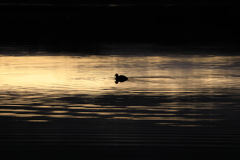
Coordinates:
[172,102]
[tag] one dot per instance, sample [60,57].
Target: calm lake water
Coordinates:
[75,95]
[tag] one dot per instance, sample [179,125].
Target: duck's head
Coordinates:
[116,74]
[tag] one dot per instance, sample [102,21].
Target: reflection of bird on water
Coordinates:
[120,78]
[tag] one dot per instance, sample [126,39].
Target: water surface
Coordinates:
[160,88]
[78,95]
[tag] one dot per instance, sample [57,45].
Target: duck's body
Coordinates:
[120,78]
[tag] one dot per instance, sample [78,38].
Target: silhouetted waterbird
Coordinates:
[120,78]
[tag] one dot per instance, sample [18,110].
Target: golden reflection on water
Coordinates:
[94,74]
[42,88]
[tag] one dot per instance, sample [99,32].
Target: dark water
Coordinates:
[68,104]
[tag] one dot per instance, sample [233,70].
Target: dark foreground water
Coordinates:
[181,104]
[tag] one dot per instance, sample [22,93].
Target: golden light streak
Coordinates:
[71,74]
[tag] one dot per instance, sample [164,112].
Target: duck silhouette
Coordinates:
[120,78]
